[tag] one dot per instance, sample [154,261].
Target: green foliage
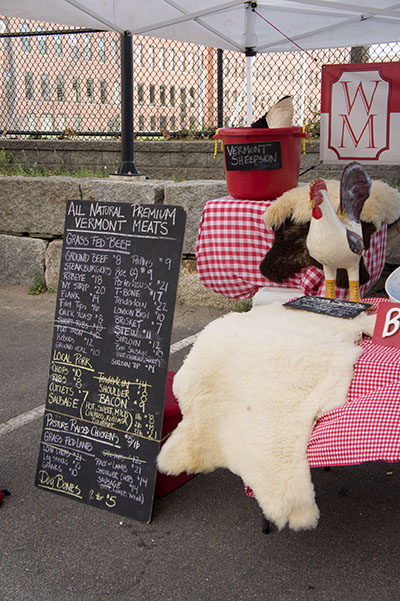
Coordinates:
[243,306]
[315,125]
[5,161]
[187,134]
[38,286]
[9,165]
[395,183]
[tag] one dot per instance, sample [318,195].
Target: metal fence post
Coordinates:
[127,166]
[220,88]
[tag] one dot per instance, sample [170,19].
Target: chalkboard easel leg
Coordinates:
[266,526]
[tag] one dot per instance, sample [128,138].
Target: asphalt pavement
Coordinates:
[205,541]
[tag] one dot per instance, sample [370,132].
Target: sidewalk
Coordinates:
[205,541]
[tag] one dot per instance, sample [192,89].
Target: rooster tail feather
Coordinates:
[355,187]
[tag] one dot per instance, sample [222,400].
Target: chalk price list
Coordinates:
[110,352]
[108,463]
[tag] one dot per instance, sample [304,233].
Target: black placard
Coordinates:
[105,401]
[253,156]
[329,306]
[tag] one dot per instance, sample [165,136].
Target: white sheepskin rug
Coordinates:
[250,390]
[382,206]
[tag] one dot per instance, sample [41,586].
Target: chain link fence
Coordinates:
[58,81]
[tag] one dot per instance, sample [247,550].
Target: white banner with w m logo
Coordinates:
[360,113]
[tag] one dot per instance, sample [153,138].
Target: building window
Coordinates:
[152,93]
[171,59]
[225,67]
[191,62]
[191,96]
[153,123]
[161,56]
[103,91]
[30,121]
[57,45]
[139,57]
[140,93]
[42,43]
[101,50]
[114,124]
[9,86]
[162,95]
[3,29]
[141,123]
[46,122]
[182,60]
[192,123]
[115,51]
[183,96]
[90,90]
[29,93]
[87,47]
[163,122]
[76,90]
[25,41]
[77,122]
[73,44]
[117,92]
[172,95]
[151,57]
[60,88]
[44,86]
[61,123]
[234,67]
[173,123]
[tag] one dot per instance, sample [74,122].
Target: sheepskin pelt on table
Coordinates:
[289,216]
[250,390]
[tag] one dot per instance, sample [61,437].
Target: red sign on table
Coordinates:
[360,113]
[387,326]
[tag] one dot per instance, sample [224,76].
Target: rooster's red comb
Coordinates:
[317,186]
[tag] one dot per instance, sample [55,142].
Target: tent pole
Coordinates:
[250,50]
[249,86]
[127,166]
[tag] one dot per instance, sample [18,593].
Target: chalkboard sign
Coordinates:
[109,363]
[253,156]
[329,306]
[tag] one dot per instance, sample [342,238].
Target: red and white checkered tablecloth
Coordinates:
[233,240]
[367,427]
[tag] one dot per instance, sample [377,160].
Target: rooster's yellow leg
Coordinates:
[354,291]
[329,288]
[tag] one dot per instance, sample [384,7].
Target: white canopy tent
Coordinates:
[232,24]
[250,27]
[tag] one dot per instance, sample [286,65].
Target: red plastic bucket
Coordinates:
[261,164]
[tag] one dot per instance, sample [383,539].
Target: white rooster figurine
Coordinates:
[335,238]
